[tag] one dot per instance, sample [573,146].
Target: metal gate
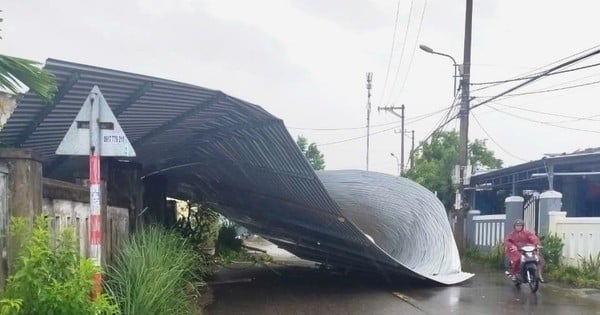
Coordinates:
[531,212]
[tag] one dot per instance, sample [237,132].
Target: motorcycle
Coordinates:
[528,271]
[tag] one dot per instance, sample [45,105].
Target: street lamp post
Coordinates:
[463,156]
[456,71]
[397,163]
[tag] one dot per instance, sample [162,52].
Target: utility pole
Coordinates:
[369,86]
[402,143]
[464,128]
[391,110]
[412,150]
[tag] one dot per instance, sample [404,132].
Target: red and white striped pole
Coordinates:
[95,228]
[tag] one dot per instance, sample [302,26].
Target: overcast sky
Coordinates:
[305,62]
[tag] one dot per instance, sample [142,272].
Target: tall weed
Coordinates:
[591,265]
[151,273]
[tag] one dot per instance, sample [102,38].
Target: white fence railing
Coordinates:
[581,236]
[488,230]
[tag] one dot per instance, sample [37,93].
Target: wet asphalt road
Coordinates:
[295,289]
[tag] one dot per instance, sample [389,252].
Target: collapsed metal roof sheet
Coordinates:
[241,158]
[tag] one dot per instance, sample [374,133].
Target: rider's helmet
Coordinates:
[518,222]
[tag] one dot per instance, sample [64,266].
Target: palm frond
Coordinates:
[18,72]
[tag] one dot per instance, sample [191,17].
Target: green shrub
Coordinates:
[50,276]
[227,240]
[152,272]
[200,227]
[552,247]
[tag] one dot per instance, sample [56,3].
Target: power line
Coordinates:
[414,49]
[556,89]
[387,72]
[441,124]
[356,138]
[541,122]
[494,141]
[529,77]
[536,69]
[541,75]
[548,113]
[408,121]
[388,129]
[403,48]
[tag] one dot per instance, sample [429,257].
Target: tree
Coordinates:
[435,160]
[312,153]
[17,73]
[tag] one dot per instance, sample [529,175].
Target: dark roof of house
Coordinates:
[589,160]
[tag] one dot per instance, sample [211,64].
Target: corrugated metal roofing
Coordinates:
[230,152]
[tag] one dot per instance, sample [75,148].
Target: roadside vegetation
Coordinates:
[157,270]
[49,276]
[153,273]
[585,275]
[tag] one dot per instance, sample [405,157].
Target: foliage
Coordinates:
[200,226]
[435,160]
[481,157]
[16,72]
[552,247]
[151,273]
[576,276]
[591,265]
[227,256]
[50,276]
[494,258]
[312,153]
[227,239]
[10,306]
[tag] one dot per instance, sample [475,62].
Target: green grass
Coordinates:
[153,274]
[575,276]
[493,258]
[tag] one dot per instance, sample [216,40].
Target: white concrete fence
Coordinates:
[67,213]
[581,236]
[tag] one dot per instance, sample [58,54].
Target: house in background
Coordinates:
[575,175]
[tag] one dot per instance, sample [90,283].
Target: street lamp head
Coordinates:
[426,48]
[392,154]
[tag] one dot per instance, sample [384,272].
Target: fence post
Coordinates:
[554,217]
[470,227]
[549,201]
[514,210]
[21,197]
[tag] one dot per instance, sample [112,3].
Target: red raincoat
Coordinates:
[515,240]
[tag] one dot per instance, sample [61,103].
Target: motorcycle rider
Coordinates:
[517,238]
